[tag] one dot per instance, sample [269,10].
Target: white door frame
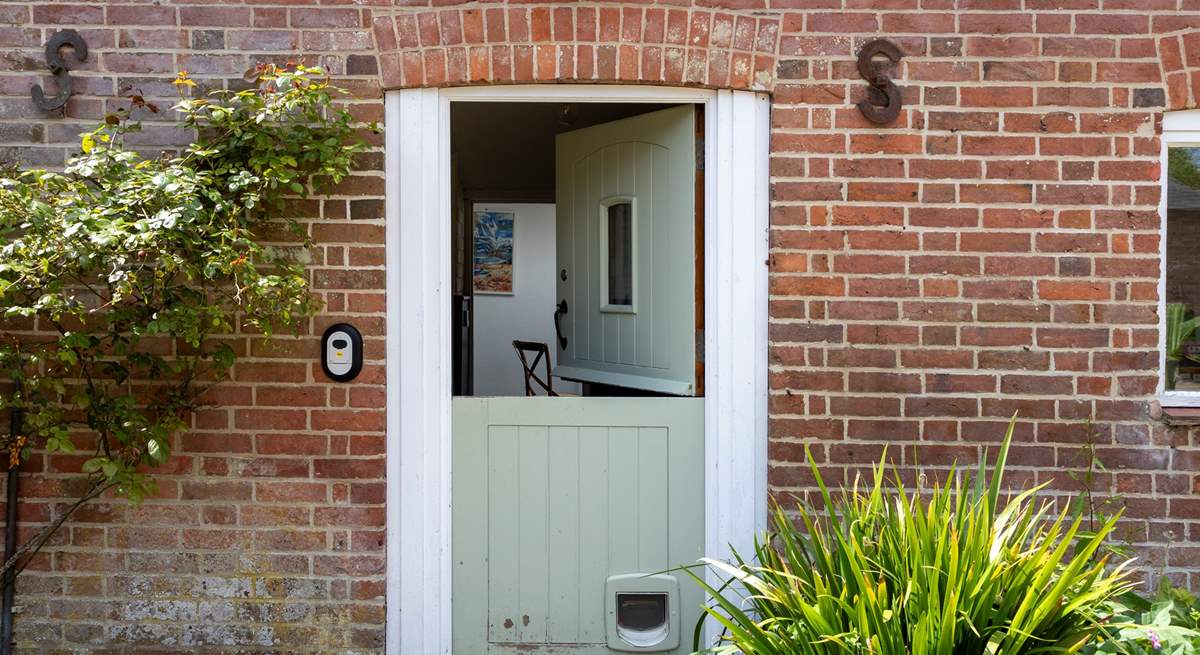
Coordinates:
[736,178]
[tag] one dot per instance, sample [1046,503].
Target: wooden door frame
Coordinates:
[418,206]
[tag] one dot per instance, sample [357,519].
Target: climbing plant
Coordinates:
[119,274]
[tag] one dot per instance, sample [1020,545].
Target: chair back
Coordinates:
[542,355]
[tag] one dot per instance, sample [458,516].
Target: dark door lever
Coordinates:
[558,312]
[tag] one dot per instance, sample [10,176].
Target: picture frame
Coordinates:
[493,235]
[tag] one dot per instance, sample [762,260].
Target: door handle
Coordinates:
[558,312]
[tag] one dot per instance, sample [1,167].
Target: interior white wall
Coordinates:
[528,314]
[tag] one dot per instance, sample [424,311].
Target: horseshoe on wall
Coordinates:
[58,67]
[883,101]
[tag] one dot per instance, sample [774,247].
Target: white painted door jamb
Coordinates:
[418,333]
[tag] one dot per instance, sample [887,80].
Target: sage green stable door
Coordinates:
[551,497]
[563,506]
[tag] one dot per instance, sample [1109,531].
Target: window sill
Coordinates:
[1181,415]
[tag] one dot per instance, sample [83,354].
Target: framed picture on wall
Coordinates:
[492,266]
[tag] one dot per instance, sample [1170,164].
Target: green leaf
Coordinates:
[158,450]
[942,569]
[110,468]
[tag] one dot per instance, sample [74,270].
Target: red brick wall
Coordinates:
[993,251]
[268,530]
[602,43]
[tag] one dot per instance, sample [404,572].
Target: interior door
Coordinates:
[626,252]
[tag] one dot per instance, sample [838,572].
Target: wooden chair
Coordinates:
[543,355]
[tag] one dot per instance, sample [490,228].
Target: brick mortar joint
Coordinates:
[755,47]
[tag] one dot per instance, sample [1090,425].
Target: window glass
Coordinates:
[1183,269]
[620,254]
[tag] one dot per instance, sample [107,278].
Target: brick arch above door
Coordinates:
[500,43]
[1179,55]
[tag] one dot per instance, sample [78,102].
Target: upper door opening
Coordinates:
[577,232]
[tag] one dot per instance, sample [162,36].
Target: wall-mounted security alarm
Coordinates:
[341,352]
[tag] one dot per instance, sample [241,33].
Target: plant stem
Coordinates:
[25,553]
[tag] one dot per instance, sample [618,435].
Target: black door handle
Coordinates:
[558,312]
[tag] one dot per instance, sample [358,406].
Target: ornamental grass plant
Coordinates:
[940,569]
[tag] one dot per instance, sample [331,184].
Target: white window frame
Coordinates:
[605,306]
[417,171]
[1180,128]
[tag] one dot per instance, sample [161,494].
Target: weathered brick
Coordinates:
[214,16]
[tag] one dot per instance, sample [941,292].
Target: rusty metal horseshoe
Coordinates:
[58,67]
[883,101]
[884,104]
